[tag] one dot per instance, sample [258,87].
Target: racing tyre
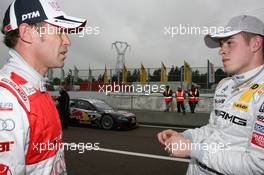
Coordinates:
[107,122]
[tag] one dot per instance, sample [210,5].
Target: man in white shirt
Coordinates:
[233,141]
[35,31]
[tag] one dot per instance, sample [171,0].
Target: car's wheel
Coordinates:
[107,122]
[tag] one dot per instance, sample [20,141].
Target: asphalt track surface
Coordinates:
[130,152]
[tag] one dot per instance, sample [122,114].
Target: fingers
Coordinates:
[160,138]
[168,145]
[165,135]
[172,141]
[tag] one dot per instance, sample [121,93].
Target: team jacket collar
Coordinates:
[18,65]
[242,78]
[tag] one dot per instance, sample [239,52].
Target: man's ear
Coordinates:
[256,43]
[26,33]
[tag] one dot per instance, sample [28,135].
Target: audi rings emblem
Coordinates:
[7,125]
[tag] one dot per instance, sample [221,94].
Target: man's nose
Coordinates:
[66,40]
[223,49]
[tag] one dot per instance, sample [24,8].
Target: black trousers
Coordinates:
[180,106]
[192,106]
[64,117]
[168,106]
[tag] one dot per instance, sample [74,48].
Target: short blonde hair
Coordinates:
[247,36]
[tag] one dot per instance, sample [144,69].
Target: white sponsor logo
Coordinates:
[30,15]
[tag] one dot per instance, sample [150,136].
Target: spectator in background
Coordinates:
[168,98]
[63,107]
[193,95]
[180,97]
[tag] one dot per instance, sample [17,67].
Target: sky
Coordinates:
[144,25]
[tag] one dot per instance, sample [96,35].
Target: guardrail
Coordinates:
[137,101]
[154,102]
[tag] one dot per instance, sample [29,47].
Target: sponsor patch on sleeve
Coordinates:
[257,139]
[259,128]
[260,118]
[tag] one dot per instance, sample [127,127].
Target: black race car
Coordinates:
[97,113]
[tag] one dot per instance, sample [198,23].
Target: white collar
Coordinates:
[18,65]
[241,78]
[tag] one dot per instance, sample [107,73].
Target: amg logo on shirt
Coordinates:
[232,118]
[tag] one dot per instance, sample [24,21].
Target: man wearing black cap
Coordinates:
[35,31]
[233,141]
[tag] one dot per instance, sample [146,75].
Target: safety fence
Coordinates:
[93,79]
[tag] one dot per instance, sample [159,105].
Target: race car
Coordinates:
[97,113]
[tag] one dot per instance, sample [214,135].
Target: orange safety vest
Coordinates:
[179,96]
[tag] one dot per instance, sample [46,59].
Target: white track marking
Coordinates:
[163,127]
[143,155]
[83,147]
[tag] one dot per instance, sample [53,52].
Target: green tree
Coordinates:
[156,75]
[56,81]
[177,74]
[171,74]
[134,77]
[100,78]
[196,77]
[219,75]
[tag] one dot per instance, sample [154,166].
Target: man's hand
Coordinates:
[175,143]
[165,135]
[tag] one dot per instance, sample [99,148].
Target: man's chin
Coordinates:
[229,71]
[60,65]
